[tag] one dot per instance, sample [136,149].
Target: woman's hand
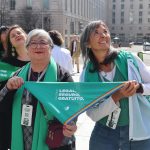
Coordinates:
[69,130]
[14,83]
[129,89]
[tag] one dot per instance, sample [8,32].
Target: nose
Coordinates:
[102,34]
[16,35]
[38,45]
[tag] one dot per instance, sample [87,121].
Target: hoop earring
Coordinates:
[13,52]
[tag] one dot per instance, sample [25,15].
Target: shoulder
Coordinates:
[65,51]
[63,75]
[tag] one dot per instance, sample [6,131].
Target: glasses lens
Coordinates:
[41,44]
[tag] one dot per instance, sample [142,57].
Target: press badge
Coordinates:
[26,118]
[113,118]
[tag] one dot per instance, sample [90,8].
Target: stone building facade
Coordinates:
[67,16]
[129,20]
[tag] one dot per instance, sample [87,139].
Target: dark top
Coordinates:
[14,62]
[5,105]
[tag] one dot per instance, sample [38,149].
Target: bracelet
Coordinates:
[140,89]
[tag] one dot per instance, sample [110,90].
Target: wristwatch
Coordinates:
[140,89]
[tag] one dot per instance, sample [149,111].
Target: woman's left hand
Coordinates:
[69,130]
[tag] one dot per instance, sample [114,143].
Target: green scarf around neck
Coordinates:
[40,125]
[120,62]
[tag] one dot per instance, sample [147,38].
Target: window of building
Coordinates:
[121,28]
[148,5]
[113,20]
[46,4]
[114,0]
[131,18]
[131,6]
[75,6]
[112,28]
[122,21]
[148,19]
[130,28]
[140,6]
[140,20]
[140,13]
[122,6]
[12,4]
[122,14]
[114,6]
[122,0]
[113,14]
[70,5]
[66,4]
[29,4]
[72,27]
[140,28]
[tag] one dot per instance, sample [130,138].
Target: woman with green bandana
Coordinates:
[30,133]
[122,120]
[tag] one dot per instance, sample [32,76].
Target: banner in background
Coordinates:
[66,100]
[6,71]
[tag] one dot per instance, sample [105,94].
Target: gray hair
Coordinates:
[38,33]
[88,30]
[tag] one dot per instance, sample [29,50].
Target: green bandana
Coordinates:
[6,71]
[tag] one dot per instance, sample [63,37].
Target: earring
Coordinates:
[13,51]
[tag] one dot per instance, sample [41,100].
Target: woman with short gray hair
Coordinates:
[31,133]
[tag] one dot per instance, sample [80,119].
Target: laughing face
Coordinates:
[99,42]
[100,39]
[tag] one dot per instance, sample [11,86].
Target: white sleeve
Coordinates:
[103,109]
[81,79]
[145,75]
[69,64]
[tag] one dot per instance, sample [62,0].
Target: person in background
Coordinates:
[15,55]
[75,51]
[122,120]
[3,45]
[41,68]
[61,55]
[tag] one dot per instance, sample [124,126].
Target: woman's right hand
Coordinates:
[14,83]
[129,89]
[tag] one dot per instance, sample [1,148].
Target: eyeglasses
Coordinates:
[42,44]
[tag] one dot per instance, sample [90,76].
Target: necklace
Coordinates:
[108,75]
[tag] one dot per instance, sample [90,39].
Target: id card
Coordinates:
[26,118]
[113,118]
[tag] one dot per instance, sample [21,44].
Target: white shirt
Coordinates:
[63,58]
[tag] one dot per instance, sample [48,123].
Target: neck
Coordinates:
[38,67]
[100,55]
[22,54]
[107,68]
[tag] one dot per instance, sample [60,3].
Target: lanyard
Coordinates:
[39,78]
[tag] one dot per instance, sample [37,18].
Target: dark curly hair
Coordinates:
[56,37]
